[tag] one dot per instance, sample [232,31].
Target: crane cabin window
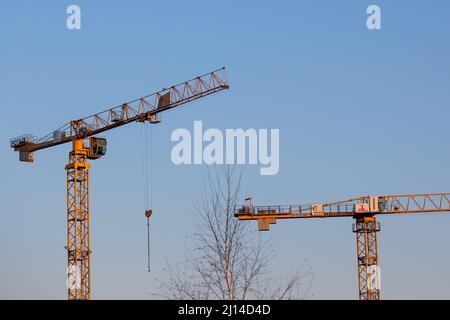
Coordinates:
[97,147]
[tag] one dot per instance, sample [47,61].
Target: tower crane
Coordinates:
[87,146]
[364,210]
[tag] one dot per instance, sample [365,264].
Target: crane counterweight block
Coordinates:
[264,224]
[26,156]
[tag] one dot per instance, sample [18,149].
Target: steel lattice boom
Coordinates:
[390,204]
[142,109]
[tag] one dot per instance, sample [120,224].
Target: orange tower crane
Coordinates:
[78,132]
[363,210]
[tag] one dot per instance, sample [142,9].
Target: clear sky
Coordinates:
[360,112]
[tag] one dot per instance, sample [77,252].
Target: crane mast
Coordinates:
[364,210]
[78,132]
[78,231]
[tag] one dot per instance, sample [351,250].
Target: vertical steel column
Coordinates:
[78,237]
[366,229]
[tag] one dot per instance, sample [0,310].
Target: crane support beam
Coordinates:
[78,236]
[143,109]
[366,229]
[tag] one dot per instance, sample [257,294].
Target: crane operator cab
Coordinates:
[97,147]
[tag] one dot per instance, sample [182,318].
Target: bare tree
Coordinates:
[229,259]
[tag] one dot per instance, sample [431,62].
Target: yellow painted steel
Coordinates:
[366,229]
[144,109]
[363,210]
[78,236]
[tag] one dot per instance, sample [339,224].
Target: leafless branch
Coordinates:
[228,259]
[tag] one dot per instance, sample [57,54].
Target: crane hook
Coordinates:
[148,214]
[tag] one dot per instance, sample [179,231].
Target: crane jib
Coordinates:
[143,109]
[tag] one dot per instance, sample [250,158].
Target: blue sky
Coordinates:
[360,112]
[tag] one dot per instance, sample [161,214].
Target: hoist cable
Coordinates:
[149,186]
[143,161]
[148,244]
[151,166]
[146,144]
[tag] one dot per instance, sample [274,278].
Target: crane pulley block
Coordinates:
[148,213]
